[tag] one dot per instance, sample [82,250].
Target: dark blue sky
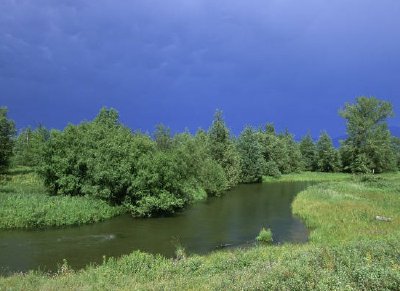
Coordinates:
[294,63]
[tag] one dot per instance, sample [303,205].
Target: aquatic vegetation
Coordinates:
[265,236]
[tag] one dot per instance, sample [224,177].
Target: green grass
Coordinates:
[25,204]
[348,250]
[309,176]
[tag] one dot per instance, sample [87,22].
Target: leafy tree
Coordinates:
[223,150]
[29,146]
[328,159]
[157,185]
[95,158]
[281,152]
[163,138]
[309,153]
[7,133]
[295,160]
[274,151]
[252,160]
[369,140]
[201,172]
[396,149]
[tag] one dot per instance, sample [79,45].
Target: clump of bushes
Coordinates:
[105,160]
[265,236]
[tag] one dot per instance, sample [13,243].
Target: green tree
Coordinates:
[295,160]
[223,150]
[29,146]
[328,159]
[274,152]
[369,140]
[96,158]
[308,151]
[7,133]
[252,160]
[281,152]
[163,138]
[396,149]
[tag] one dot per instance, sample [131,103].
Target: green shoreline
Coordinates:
[25,204]
[348,249]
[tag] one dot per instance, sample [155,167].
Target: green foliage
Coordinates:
[369,140]
[95,158]
[29,146]
[271,169]
[396,150]
[274,151]
[158,185]
[163,138]
[103,159]
[252,160]
[7,132]
[281,152]
[223,150]
[308,151]
[328,158]
[265,236]
[293,152]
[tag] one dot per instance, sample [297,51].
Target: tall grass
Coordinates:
[309,176]
[25,204]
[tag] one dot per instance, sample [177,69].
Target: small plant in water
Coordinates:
[265,236]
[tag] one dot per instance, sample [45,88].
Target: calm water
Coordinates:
[232,220]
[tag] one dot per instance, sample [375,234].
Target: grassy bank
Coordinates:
[309,176]
[349,250]
[25,204]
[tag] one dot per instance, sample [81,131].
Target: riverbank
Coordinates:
[348,249]
[25,204]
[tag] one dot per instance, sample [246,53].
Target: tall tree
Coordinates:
[396,149]
[163,138]
[252,160]
[293,152]
[309,153]
[223,150]
[369,140]
[274,151]
[29,146]
[328,159]
[7,133]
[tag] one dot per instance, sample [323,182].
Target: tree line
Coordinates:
[161,173]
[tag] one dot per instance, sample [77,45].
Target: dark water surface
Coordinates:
[232,220]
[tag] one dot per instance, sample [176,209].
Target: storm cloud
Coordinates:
[290,62]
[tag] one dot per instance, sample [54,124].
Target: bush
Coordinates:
[271,169]
[265,236]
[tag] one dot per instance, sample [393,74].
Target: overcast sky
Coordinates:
[290,62]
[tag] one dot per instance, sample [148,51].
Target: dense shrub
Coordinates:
[104,159]
[95,158]
[7,132]
[252,160]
